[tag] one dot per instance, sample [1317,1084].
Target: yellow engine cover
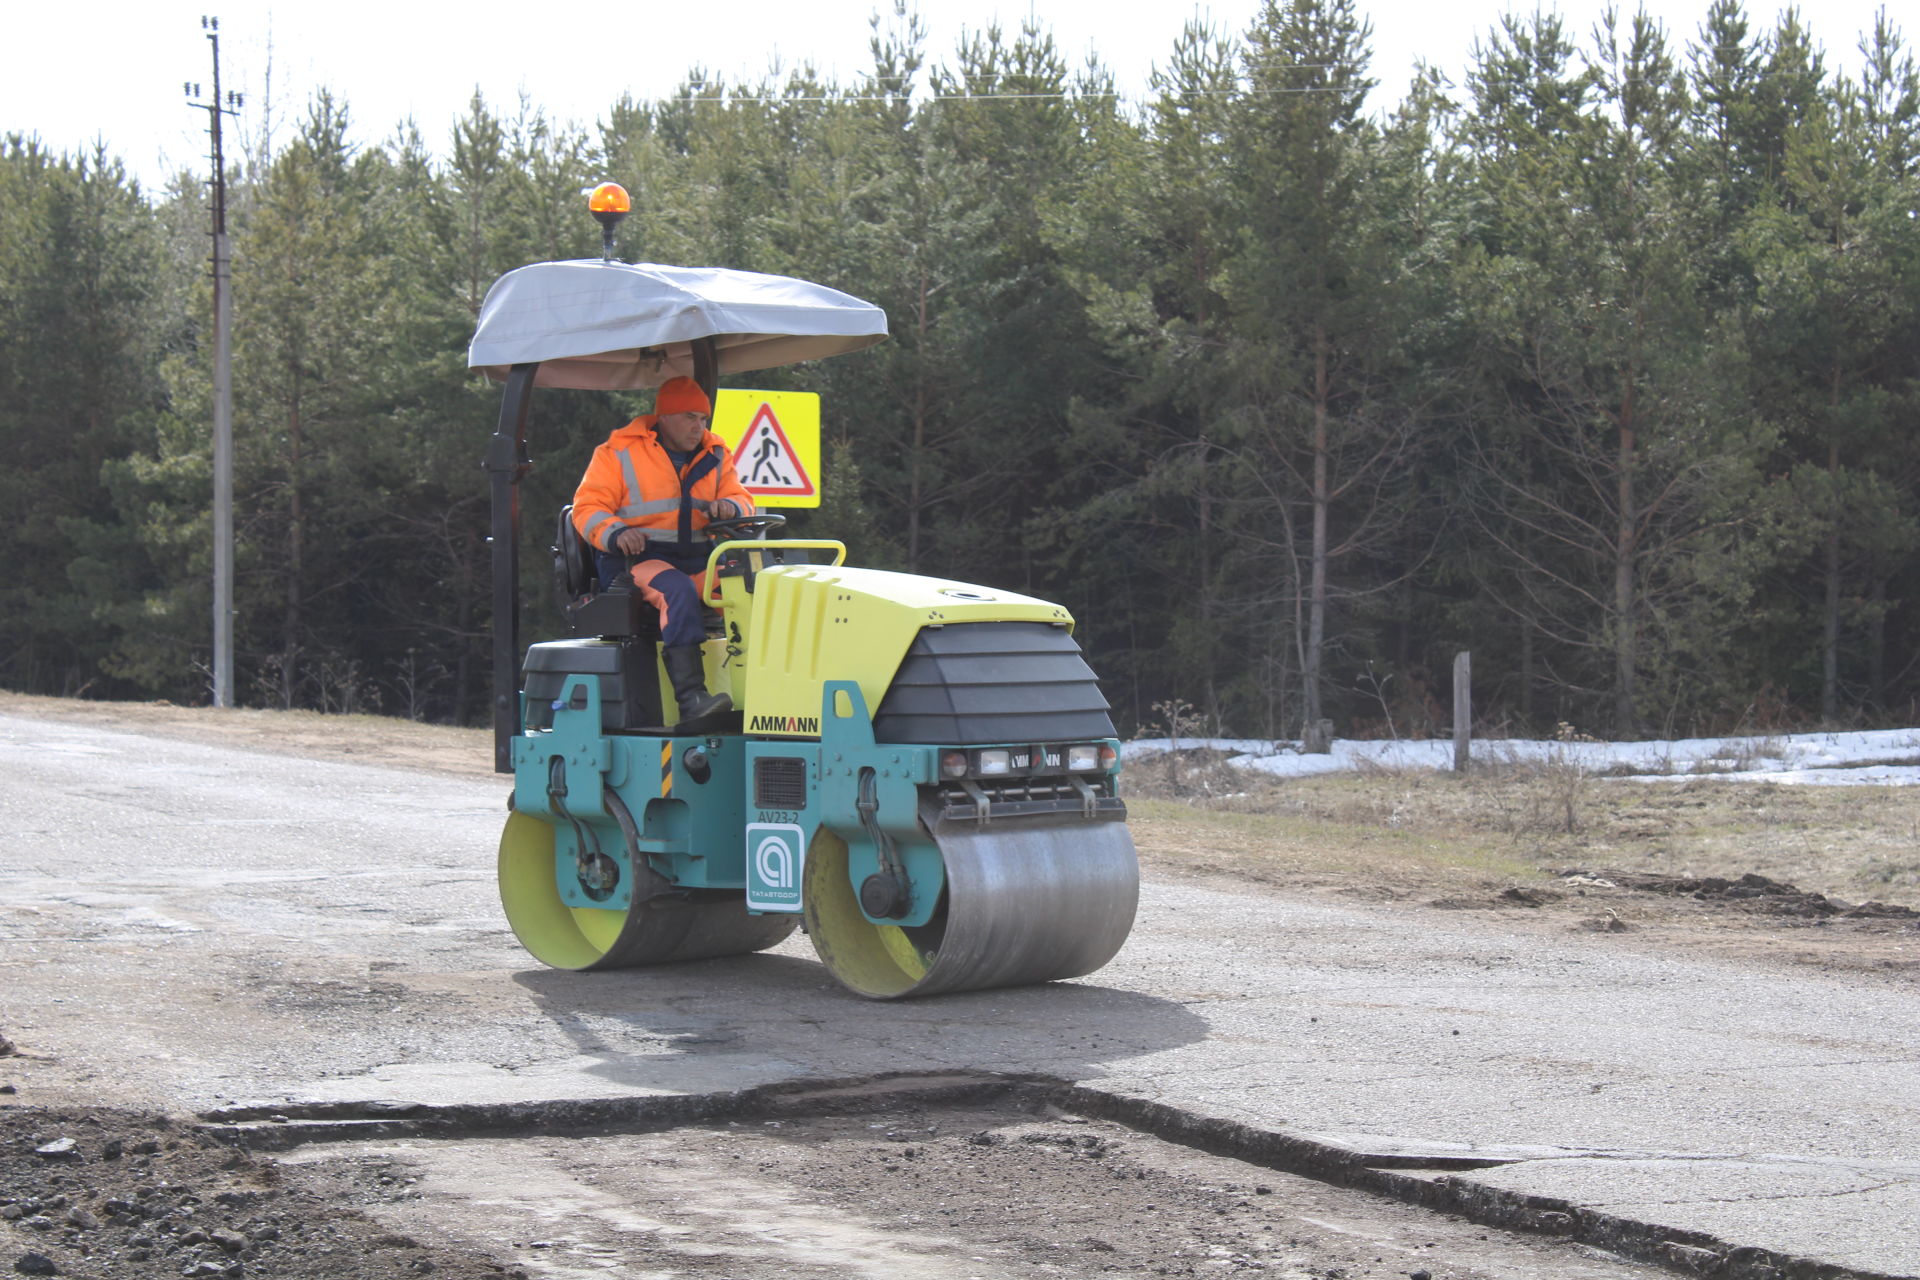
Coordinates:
[808,624]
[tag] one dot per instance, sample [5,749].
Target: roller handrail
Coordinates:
[798,544]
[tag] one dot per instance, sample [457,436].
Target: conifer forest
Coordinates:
[1602,363]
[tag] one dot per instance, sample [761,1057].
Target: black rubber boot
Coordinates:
[687,669]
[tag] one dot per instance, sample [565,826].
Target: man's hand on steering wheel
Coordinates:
[756,525]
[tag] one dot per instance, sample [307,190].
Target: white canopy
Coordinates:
[604,326]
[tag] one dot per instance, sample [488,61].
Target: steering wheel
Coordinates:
[745,527]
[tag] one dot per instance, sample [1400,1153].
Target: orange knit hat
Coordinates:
[681,395]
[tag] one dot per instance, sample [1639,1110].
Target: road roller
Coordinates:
[920,773]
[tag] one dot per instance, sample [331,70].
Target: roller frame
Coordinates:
[995,903]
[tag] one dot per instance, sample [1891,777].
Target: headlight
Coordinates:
[992,763]
[1083,759]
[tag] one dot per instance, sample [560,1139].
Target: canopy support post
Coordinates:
[706,368]
[506,463]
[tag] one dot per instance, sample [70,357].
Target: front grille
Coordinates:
[1020,789]
[1031,798]
[780,782]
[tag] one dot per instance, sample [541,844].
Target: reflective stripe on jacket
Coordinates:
[631,483]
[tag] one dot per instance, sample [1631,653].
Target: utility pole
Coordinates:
[216,107]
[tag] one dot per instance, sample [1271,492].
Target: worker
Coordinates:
[648,494]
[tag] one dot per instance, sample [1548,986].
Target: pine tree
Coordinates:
[81,333]
[309,292]
[1614,481]
[1835,258]
[1323,450]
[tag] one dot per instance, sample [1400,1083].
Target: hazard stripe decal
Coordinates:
[666,767]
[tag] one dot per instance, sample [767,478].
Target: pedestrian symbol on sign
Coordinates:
[767,461]
[765,468]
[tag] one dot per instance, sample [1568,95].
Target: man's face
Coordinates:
[683,431]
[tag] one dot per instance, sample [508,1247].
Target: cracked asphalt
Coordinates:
[187,927]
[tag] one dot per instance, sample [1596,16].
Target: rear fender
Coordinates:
[585,755]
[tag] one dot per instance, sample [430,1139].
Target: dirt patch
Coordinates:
[98,1193]
[1753,893]
[927,1194]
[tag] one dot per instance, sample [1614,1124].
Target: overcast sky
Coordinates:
[114,70]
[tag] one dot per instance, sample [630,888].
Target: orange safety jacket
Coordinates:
[631,483]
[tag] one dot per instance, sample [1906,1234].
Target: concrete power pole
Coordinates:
[216,107]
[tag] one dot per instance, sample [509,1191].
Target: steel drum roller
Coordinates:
[1025,902]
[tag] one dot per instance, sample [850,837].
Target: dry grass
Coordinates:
[359,739]
[1514,824]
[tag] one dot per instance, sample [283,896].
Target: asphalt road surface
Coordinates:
[190,928]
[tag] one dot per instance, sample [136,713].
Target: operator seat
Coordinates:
[616,637]
[591,607]
[612,611]
[616,634]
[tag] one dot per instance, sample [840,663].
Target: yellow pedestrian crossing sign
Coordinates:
[773,438]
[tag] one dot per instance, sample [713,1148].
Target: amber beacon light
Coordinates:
[608,203]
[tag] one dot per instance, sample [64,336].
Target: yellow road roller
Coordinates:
[921,773]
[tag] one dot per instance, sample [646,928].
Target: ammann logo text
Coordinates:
[784,724]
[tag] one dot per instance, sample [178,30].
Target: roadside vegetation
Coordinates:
[1417,832]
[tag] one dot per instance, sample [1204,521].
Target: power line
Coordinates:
[1090,95]
[1760,45]
[697,94]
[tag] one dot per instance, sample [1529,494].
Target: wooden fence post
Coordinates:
[1462,710]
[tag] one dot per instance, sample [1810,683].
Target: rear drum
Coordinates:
[656,932]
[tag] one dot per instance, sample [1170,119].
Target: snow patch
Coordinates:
[1879,757]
